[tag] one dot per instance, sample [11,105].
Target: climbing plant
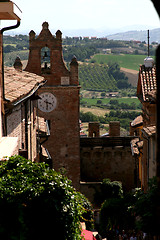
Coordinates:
[37,202]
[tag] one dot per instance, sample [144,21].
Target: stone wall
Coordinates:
[108,157]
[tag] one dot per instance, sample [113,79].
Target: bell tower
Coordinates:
[59,100]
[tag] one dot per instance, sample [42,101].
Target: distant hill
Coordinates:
[137,35]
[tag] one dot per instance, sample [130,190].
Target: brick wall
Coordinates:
[14,124]
[93,130]
[21,123]
[114,128]
[63,143]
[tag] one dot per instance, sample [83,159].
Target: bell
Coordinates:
[45,65]
[45,55]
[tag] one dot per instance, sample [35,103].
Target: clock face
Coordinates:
[47,103]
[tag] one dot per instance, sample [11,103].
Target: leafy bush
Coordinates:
[36,201]
[109,189]
[146,207]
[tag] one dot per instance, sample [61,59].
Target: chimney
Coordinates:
[18,64]
[148,62]
[114,129]
[93,130]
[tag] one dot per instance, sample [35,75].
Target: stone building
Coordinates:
[145,147]
[59,103]
[19,114]
[8,11]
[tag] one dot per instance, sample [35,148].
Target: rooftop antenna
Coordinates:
[148,61]
[148,42]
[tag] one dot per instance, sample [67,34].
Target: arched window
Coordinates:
[94,134]
[45,60]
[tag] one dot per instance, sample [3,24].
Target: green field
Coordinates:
[124,60]
[107,100]
[11,44]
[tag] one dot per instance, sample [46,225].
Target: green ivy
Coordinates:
[88,215]
[37,202]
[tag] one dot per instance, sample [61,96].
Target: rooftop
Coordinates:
[136,145]
[137,121]
[149,131]
[20,84]
[147,81]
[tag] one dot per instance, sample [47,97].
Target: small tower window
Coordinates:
[45,60]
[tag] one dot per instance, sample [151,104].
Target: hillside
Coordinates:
[104,77]
[95,76]
[128,61]
[132,76]
[137,35]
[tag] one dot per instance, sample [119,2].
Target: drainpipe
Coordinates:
[3,90]
[1,32]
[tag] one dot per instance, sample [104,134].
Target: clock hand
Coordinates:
[48,102]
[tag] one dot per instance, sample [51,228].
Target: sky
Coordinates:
[66,15]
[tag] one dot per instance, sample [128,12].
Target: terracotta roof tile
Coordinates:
[134,147]
[148,80]
[149,131]
[19,84]
[140,144]
[152,95]
[137,121]
[42,125]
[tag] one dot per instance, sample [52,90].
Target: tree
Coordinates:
[9,48]
[114,102]
[114,210]
[103,94]
[36,201]
[112,214]
[109,189]
[99,101]
[122,84]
